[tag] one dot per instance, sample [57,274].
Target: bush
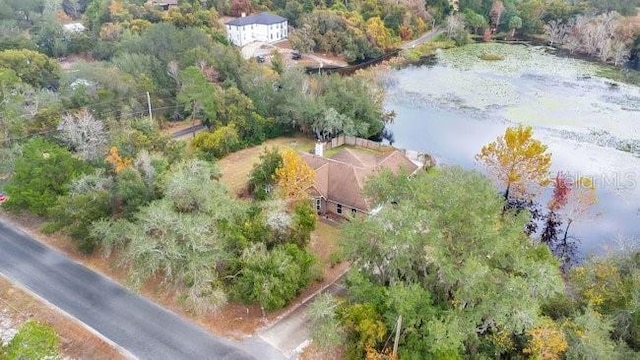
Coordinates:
[273,278]
[75,213]
[217,144]
[33,341]
[40,175]
[262,176]
[304,221]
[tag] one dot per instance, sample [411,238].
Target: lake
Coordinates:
[590,124]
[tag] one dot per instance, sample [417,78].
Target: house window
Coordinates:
[339,209]
[271,36]
[353,212]
[318,205]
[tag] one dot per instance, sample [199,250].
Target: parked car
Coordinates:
[3,197]
[260,58]
[296,55]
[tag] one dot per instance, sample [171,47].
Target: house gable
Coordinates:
[341,178]
[265,27]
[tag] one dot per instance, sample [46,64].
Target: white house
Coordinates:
[73,27]
[264,26]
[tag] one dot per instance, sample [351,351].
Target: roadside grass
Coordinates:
[236,166]
[76,342]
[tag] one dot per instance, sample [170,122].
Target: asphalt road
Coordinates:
[139,326]
[422,39]
[187,131]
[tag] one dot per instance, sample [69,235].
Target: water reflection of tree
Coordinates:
[571,202]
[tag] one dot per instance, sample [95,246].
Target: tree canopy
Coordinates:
[441,238]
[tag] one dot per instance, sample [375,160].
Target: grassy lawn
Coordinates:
[237,166]
[335,150]
[325,240]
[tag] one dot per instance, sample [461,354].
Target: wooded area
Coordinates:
[475,271]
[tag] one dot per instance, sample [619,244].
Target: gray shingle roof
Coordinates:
[263,18]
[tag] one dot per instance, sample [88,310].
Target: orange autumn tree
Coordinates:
[517,161]
[547,341]
[118,163]
[294,177]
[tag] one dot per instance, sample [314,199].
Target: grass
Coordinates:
[325,242]
[332,152]
[416,55]
[237,166]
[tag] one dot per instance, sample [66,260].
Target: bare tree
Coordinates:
[556,31]
[84,134]
[495,14]
[454,27]
[619,52]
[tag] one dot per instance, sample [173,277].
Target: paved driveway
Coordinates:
[139,326]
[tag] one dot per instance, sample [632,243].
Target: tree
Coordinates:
[83,134]
[582,196]
[41,174]
[294,177]
[461,273]
[238,7]
[198,95]
[495,13]
[609,285]
[515,23]
[263,175]
[180,237]
[517,161]
[217,144]
[88,200]
[556,31]
[117,162]
[378,33]
[31,67]
[474,21]
[326,331]
[130,192]
[32,341]
[331,124]
[277,63]
[273,278]
[553,220]
[547,341]
[454,27]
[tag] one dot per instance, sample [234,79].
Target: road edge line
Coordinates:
[124,352]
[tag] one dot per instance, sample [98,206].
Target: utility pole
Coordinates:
[397,339]
[149,104]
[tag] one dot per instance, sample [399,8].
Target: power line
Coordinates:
[47,132]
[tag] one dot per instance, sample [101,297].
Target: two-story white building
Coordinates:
[264,26]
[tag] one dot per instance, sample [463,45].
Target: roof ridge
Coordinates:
[353,153]
[385,158]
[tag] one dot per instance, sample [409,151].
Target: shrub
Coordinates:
[217,144]
[40,175]
[33,341]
